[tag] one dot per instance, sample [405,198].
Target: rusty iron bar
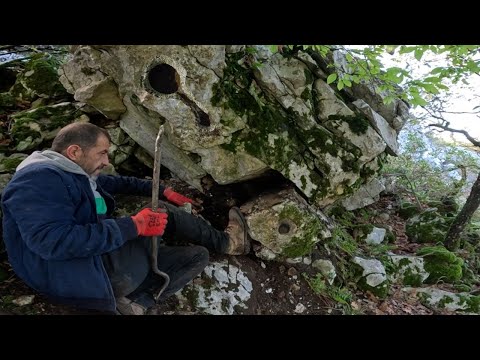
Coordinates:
[155,194]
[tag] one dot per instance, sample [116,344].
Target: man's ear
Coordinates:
[73,152]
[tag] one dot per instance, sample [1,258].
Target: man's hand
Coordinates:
[177,198]
[150,223]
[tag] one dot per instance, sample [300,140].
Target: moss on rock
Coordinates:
[309,228]
[427,227]
[274,136]
[7,101]
[358,124]
[381,291]
[40,122]
[10,163]
[41,77]
[408,209]
[443,265]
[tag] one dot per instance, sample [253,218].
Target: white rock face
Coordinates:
[441,299]
[376,236]
[408,266]
[234,112]
[373,271]
[228,287]
[285,225]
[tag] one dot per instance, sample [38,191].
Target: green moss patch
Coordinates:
[273,134]
[41,77]
[442,264]
[358,124]
[309,226]
[33,123]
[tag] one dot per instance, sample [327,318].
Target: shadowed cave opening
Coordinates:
[219,198]
[163,78]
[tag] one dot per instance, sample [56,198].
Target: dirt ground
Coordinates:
[278,288]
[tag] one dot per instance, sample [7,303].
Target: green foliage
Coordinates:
[310,228]
[442,264]
[41,76]
[364,65]
[342,240]
[426,179]
[331,78]
[340,295]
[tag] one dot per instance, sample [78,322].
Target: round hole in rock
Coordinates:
[163,78]
[284,228]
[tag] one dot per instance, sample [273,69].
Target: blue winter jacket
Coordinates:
[54,238]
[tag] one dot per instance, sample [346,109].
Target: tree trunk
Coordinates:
[452,240]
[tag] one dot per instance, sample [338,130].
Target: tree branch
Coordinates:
[464,132]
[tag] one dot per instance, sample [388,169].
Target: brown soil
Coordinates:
[278,289]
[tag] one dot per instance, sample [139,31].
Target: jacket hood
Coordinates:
[52,158]
[58,160]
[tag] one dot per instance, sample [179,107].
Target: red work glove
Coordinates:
[150,223]
[176,198]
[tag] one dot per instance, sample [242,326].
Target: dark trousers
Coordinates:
[129,269]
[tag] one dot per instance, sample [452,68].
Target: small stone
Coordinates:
[295,288]
[23,300]
[300,308]
[292,271]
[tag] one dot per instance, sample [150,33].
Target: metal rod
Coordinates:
[155,194]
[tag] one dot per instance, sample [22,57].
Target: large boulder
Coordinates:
[234,112]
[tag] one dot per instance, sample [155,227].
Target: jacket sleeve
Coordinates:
[127,185]
[45,213]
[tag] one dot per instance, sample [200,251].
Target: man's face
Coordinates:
[93,160]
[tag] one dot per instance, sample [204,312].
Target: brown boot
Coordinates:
[239,243]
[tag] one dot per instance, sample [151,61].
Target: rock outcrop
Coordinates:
[234,112]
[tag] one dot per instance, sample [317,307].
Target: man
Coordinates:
[62,241]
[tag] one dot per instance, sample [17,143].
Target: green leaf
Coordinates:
[472,66]
[406,49]
[340,84]
[442,86]
[418,100]
[331,78]
[390,49]
[430,88]
[388,99]
[437,70]
[432,79]
[347,83]
[273,48]
[418,54]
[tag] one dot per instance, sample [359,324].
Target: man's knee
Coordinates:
[199,257]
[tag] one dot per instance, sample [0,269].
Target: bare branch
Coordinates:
[464,132]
